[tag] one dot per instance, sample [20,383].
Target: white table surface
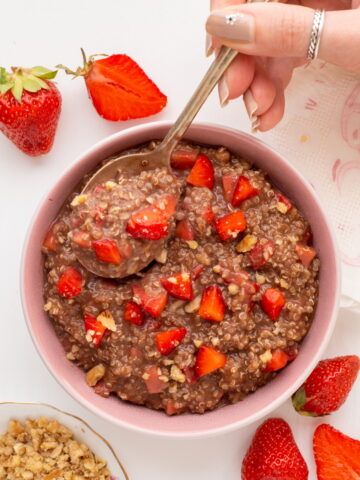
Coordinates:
[167,39]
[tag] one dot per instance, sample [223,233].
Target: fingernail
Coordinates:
[209,49]
[255,125]
[233,26]
[223,91]
[251,108]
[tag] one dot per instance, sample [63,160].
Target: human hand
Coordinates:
[273,39]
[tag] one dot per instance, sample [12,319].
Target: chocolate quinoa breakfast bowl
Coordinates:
[223,308]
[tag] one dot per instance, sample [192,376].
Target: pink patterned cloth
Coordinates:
[320,135]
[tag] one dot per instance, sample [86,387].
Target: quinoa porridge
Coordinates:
[223,308]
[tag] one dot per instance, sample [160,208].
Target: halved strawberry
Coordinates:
[284,200]
[183,158]
[202,174]
[184,230]
[272,302]
[305,253]
[133,313]
[229,183]
[261,253]
[278,360]
[243,191]
[166,204]
[153,304]
[179,285]
[167,341]
[208,360]
[148,223]
[95,330]
[81,238]
[212,306]
[208,215]
[230,225]
[70,283]
[50,243]
[152,381]
[197,271]
[106,250]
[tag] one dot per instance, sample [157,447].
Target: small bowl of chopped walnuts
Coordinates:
[41,441]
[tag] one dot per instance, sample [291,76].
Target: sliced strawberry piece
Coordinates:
[153,304]
[179,285]
[197,271]
[190,375]
[229,226]
[152,381]
[133,313]
[50,242]
[208,360]
[70,283]
[166,204]
[305,253]
[261,254]
[229,183]
[202,174]
[167,341]
[184,230]
[284,200]
[148,223]
[106,250]
[170,407]
[95,330]
[208,215]
[243,191]
[183,158]
[307,237]
[212,306]
[278,360]
[272,302]
[81,238]
[239,278]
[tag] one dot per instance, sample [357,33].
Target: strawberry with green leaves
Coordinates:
[30,106]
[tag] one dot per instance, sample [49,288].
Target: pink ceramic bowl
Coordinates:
[224,419]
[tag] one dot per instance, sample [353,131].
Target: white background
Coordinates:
[167,39]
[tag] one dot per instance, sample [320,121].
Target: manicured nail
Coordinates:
[255,124]
[223,91]
[209,49]
[251,108]
[233,26]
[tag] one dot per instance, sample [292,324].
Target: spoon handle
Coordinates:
[211,78]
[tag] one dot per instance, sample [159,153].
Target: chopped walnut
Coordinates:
[94,375]
[107,320]
[246,244]
[79,200]
[193,244]
[194,305]
[176,374]
[162,257]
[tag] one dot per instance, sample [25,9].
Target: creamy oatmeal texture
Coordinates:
[225,306]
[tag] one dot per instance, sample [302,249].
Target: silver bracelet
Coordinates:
[315,37]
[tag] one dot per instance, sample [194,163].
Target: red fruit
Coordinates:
[183,158]
[229,183]
[106,250]
[95,330]
[152,380]
[273,454]
[167,341]
[170,407]
[82,239]
[119,88]
[239,278]
[243,191]
[337,456]
[148,223]
[30,107]
[272,302]
[208,215]
[261,254]
[278,361]
[328,386]
[70,283]
[153,303]
[229,226]
[202,174]
[179,285]
[212,306]
[208,360]
[166,204]
[184,230]
[282,199]
[133,313]
[50,243]
[305,253]
[197,271]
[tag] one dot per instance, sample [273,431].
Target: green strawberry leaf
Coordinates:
[3,75]
[31,83]
[44,73]
[4,87]
[17,89]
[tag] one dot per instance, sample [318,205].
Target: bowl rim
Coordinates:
[235,425]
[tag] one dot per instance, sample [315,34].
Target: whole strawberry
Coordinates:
[273,454]
[327,387]
[30,106]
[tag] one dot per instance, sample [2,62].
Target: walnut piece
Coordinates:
[94,375]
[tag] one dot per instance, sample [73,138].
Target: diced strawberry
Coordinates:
[229,183]
[166,204]
[95,330]
[278,360]
[208,215]
[106,250]
[272,302]
[133,313]
[305,253]
[152,380]
[190,375]
[197,271]
[183,158]
[208,360]
[307,237]
[50,242]
[170,407]
[102,389]
[149,223]
[70,283]
[179,285]
[167,341]
[98,189]
[239,278]
[202,173]
[152,304]
[229,226]
[81,238]
[261,254]
[282,199]
[212,306]
[243,191]
[184,230]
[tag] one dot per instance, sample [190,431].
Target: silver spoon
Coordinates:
[133,164]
